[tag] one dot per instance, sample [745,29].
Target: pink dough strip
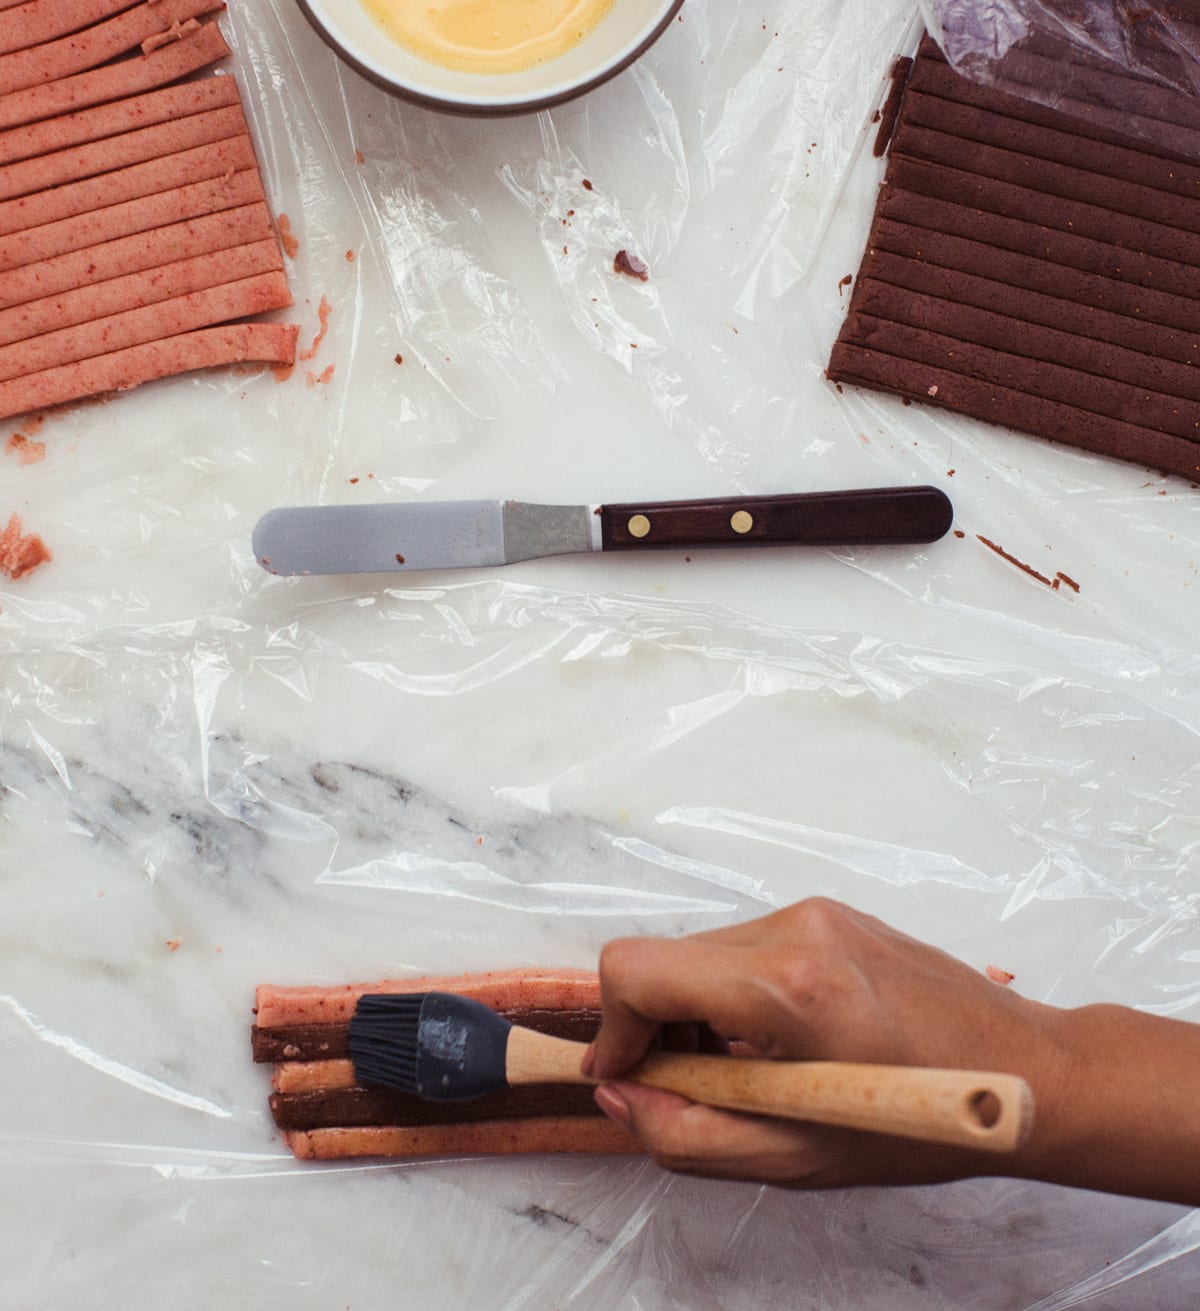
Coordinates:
[115,154]
[312,1076]
[79,269]
[139,180]
[136,290]
[504,990]
[170,104]
[169,318]
[237,343]
[141,215]
[550,1134]
[126,77]
[97,45]
[32,22]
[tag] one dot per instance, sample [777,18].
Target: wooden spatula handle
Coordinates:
[968,1108]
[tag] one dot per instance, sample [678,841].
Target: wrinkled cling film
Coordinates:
[210,778]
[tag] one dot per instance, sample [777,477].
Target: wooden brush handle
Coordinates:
[966,1108]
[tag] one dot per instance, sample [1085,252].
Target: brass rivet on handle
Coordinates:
[741,521]
[638,525]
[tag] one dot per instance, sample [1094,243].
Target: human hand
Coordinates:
[819,981]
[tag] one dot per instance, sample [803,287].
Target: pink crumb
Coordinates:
[349,257]
[997,975]
[19,554]
[174,944]
[283,225]
[26,451]
[312,379]
[323,311]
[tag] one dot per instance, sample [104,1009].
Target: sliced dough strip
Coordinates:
[491,1138]
[85,50]
[134,290]
[126,77]
[237,343]
[167,105]
[161,140]
[78,269]
[168,318]
[33,22]
[141,215]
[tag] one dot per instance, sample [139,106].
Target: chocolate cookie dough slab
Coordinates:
[1037,270]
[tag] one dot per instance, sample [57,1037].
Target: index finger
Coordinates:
[646,982]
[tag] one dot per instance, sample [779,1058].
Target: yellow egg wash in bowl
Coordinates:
[490,36]
[489,57]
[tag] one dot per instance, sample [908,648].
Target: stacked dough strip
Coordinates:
[324,1115]
[1037,269]
[134,232]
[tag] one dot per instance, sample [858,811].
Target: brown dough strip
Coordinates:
[1014,409]
[33,22]
[503,990]
[1083,253]
[1037,143]
[216,160]
[966,324]
[116,153]
[154,322]
[1167,140]
[574,1134]
[125,77]
[1027,272]
[1086,392]
[993,197]
[168,105]
[268,343]
[77,270]
[1063,180]
[141,215]
[135,290]
[1028,306]
[351,1107]
[55,60]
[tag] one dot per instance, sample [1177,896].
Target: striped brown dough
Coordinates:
[1148,204]
[334,1108]
[966,324]
[135,290]
[32,22]
[1029,307]
[266,343]
[1077,252]
[166,105]
[1014,409]
[141,215]
[125,77]
[597,1135]
[136,327]
[96,45]
[214,160]
[1091,392]
[1037,143]
[161,140]
[993,197]
[1027,272]
[79,269]
[1168,140]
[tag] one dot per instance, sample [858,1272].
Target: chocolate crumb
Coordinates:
[624,262]
[399,558]
[399,359]
[958,532]
[587,186]
[845,282]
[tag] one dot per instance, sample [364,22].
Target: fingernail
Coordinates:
[613,1104]
[589,1061]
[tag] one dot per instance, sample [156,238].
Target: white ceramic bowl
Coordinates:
[626,31]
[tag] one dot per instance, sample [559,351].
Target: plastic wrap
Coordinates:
[211,778]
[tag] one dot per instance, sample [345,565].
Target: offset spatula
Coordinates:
[352,539]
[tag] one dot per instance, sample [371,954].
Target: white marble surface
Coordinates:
[326,779]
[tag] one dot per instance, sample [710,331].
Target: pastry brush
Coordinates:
[444,1048]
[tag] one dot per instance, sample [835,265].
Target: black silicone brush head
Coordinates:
[433,1045]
